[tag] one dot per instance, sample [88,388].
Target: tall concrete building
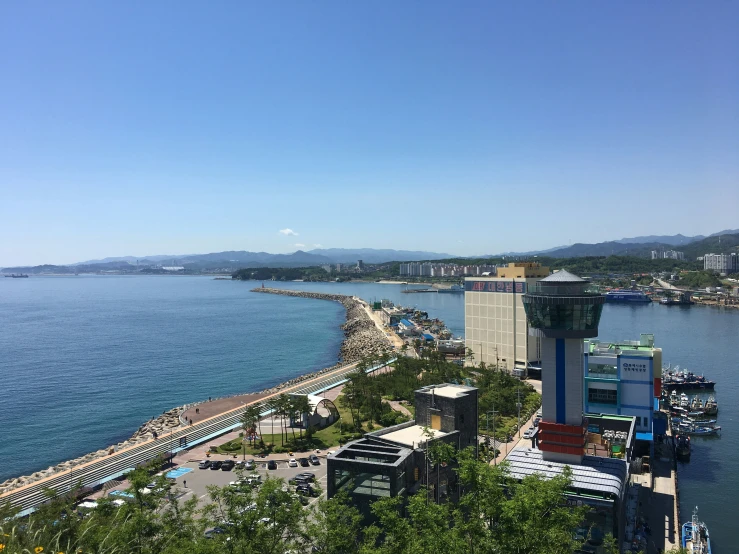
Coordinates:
[496,329]
[562,313]
[721,263]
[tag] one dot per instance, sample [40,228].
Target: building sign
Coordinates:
[634,366]
[495,286]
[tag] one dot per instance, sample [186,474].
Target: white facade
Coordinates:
[620,379]
[496,329]
[721,263]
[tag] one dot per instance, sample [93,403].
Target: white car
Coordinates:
[529,433]
[330,453]
[292,463]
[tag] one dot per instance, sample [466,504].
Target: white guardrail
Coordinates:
[97,472]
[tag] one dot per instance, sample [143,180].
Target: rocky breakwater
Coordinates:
[362,337]
[164,423]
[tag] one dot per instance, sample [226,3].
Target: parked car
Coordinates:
[330,453]
[205,464]
[314,460]
[536,421]
[292,462]
[211,533]
[250,465]
[216,464]
[298,480]
[529,433]
[304,462]
[305,490]
[228,465]
[271,464]
[254,480]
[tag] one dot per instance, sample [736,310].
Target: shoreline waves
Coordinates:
[361,338]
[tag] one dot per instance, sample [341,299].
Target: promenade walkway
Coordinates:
[101,470]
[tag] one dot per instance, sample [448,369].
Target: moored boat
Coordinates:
[684,401]
[695,538]
[682,445]
[711,406]
[626,297]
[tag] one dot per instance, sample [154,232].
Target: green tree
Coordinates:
[335,526]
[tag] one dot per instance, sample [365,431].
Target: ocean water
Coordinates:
[85,360]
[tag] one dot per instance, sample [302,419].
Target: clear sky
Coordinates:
[176,127]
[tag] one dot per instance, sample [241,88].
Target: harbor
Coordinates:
[704,478]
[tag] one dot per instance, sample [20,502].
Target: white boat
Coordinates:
[695,539]
[684,401]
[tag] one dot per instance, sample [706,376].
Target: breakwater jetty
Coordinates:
[362,337]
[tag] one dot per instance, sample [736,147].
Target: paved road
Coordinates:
[101,470]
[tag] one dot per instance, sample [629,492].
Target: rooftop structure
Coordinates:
[595,475]
[414,436]
[523,270]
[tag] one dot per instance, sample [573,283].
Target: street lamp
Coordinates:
[487,428]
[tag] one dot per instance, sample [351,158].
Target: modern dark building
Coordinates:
[393,461]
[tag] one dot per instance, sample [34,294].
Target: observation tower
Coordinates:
[562,312]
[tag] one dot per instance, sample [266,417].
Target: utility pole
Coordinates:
[518,408]
[487,429]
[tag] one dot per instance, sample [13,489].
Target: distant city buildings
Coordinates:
[667,254]
[721,263]
[496,329]
[427,269]
[360,265]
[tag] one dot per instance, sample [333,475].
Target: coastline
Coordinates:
[361,337]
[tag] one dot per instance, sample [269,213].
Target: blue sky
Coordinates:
[135,128]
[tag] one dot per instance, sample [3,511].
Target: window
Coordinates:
[602,396]
[638,421]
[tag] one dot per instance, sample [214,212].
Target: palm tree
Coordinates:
[301,405]
[249,420]
[281,409]
[252,417]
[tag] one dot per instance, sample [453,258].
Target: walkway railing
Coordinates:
[98,472]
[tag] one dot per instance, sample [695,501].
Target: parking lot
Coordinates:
[195,482]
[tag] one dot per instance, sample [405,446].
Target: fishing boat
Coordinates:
[695,537]
[704,431]
[711,406]
[677,379]
[682,445]
[696,404]
[684,401]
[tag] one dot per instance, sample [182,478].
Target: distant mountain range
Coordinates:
[317,256]
[674,240]
[723,241]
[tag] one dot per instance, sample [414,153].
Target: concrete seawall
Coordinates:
[362,338]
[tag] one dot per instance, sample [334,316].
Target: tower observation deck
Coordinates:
[562,312]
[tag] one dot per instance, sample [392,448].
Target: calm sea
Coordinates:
[85,360]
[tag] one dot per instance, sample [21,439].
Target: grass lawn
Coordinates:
[324,439]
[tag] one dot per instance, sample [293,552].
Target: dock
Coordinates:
[657,499]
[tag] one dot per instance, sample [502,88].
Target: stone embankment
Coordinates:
[164,423]
[362,338]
